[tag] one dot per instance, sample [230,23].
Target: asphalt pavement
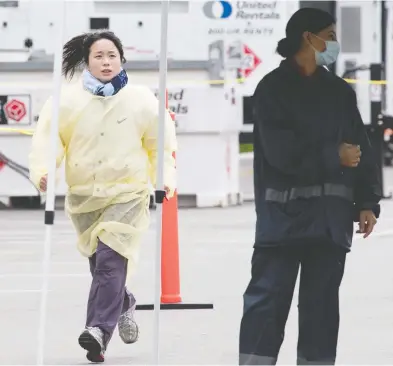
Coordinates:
[215,253]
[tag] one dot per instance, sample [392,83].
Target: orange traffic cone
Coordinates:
[170,273]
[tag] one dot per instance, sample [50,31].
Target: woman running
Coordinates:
[108,139]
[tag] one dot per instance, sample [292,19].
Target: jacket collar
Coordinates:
[291,68]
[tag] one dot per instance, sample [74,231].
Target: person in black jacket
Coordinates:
[314,176]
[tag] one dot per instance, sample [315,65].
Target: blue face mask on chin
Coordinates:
[329,56]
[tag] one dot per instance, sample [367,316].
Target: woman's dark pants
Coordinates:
[108,297]
[268,298]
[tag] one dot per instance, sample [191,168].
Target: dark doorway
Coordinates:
[99,23]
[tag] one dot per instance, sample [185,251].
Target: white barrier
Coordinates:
[208,137]
[246,172]
[15,146]
[208,124]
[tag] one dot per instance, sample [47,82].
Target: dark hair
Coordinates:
[304,20]
[76,51]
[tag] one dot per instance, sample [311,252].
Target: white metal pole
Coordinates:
[377,36]
[160,172]
[51,182]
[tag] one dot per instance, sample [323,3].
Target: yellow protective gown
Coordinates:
[110,150]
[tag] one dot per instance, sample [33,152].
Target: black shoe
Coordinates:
[91,340]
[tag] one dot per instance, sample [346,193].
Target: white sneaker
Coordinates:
[128,329]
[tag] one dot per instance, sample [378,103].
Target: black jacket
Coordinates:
[302,192]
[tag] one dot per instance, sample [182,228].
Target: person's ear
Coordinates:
[307,38]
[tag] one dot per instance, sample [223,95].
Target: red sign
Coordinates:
[250,62]
[15,110]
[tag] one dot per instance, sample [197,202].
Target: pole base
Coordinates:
[178,306]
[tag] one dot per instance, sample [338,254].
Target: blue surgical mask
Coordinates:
[329,56]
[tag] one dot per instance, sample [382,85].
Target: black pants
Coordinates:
[268,298]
